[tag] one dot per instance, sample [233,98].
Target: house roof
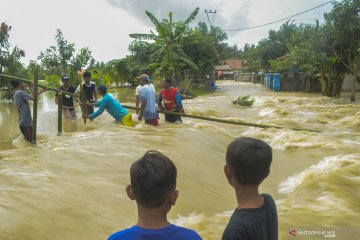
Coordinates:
[231,64]
[222,68]
[234,64]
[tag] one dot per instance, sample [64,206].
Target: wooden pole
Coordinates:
[34,121]
[30,81]
[60,102]
[83,102]
[224,120]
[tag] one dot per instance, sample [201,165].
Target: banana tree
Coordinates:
[169,55]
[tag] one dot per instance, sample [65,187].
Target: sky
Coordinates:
[104,25]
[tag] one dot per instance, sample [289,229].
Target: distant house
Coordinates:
[230,69]
[224,67]
[235,65]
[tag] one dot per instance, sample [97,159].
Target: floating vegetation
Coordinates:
[245,101]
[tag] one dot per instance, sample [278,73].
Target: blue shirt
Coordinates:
[171,232]
[147,94]
[111,105]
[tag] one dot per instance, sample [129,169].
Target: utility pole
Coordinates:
[210,12]
[35,106]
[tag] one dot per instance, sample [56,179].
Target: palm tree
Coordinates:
[169,55]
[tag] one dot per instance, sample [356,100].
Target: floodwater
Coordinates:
[72,186]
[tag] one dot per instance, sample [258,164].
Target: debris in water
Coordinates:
[245,101]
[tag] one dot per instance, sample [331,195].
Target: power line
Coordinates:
[280,20]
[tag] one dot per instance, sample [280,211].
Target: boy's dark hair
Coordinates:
[14,83]
[168,81]
[249,159]
[86,74]
[153,178]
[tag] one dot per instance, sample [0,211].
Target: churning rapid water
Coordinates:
[72,186]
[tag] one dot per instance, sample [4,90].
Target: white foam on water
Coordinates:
[325,194]
[325,167]
[209,227]
[20,142]
[285,139]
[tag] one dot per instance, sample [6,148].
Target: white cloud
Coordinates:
[182,9]
[105,25]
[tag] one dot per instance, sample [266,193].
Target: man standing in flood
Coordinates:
[148,109]
[67,100]
[170,100]
[137,90]
[22,99]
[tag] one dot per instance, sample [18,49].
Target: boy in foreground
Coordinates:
[248,163]
[111,105]
[22,99]
[153,187]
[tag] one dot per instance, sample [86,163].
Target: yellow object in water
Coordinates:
[127,120]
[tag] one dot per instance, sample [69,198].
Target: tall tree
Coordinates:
[344,24]
[9,60]
[169,54]
[58,57]
[62,58]
[200,47]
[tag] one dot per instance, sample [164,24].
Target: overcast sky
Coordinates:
[104,25]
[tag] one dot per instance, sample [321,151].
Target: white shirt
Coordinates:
[137,90]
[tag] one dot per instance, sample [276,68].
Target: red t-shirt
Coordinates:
[169,98]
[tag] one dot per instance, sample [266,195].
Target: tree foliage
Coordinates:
[62,58]
[343,25]
[9,61]
[324,52]
[168,54]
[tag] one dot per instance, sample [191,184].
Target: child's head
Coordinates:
[153,181]
[87,76]
[166,83]
[65,80]
[16,84]
[248,161]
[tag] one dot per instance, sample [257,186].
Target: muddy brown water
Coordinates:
[72,186]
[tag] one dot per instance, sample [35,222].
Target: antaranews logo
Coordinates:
[293,232]
[312,233]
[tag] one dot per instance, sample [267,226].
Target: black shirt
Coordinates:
[89,91]
[254,223]
[67,99]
